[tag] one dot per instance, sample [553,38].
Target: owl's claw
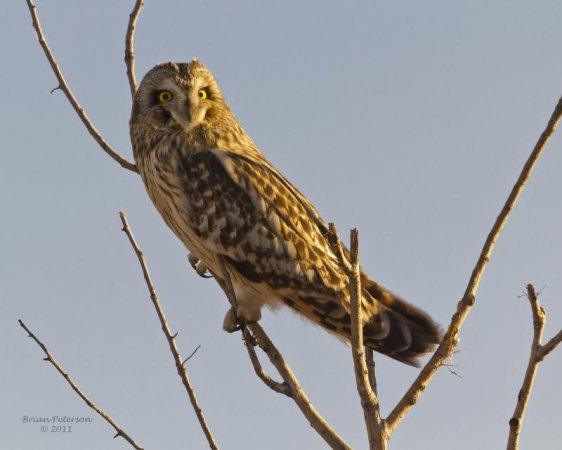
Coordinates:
[199,266]
[230,323]
[247,316]
[193,260]
[204,274]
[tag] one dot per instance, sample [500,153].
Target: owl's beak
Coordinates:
[187,110]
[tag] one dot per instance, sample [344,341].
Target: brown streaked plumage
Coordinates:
[220,196]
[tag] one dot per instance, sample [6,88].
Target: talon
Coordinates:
[202,270]
[199,267]
[193,260]
[231,323]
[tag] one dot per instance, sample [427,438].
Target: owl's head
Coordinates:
[175,96]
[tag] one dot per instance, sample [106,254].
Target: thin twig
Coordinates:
[363,361]
[281,388]
[450,340]
[182,371]
[119,431]
[539,317]
[294,389]
[550,345]
[538,353]
[63,86]
[130,46]
[192,354]
[369,358]
[369,400]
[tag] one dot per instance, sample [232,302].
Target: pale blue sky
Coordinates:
[409,120]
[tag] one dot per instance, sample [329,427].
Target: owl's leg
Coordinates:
[199,266]
[247,314]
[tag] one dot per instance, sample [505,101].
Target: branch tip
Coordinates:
[129,46]
[537,354]
[363,364]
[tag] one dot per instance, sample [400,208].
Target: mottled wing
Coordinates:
[245,210]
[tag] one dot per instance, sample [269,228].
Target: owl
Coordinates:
[223,199]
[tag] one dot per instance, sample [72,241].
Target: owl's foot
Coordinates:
[245,314]
[199,266]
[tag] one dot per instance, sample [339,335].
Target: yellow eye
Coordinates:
[202,94]
[165,96]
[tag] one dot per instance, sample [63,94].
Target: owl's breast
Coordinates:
[162,174]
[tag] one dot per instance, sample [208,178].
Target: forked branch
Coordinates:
[281,388]
[171,338]
[119,431]
[298,395]
[538,353]
[294,389]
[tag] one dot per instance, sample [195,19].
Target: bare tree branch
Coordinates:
[182,371]
[376,429]
[90,403]
[450,340]
[369,358]
[63,86]
[539,317]
[130,46]
[249,341]
[316,421]
[281,388]
[294,390]
[538,353]
[375,426]
[549,346]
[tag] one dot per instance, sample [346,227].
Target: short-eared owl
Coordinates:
[221,197]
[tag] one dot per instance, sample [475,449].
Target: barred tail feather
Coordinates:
[398,329]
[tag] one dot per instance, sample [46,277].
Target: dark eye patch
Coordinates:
[154,100]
